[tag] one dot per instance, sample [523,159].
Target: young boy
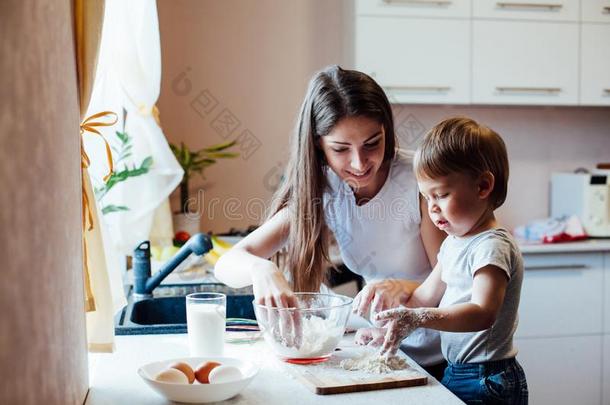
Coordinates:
[472,295]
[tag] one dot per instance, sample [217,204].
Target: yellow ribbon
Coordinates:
[90,125]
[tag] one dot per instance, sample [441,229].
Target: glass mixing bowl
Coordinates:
[306,334]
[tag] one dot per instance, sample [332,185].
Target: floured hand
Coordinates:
[399,323]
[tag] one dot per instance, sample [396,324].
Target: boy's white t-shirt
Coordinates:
[381,239]
[460,258]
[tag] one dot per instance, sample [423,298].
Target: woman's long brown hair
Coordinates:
[333,94]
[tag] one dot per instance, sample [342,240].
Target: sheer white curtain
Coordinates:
[128,80]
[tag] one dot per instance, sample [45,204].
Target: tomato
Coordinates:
[182,236]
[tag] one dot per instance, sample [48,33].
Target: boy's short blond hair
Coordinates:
[461,145]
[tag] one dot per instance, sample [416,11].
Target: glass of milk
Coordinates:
[205,322]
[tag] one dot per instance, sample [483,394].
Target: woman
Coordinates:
[344,176]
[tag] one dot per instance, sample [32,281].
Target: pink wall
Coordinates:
[249,62]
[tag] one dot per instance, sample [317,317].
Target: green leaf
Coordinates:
[220,146]
[223,155]
[122,136]
[147,163]
[114,208]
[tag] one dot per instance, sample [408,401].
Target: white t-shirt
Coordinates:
[381,239]
[460,258]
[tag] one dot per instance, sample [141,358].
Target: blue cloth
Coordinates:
[492,382]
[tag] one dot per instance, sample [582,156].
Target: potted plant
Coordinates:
[195,162]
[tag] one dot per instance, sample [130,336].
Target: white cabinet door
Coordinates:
[517,62]
[562,295]
[552,10]
[416,60]
[414,8]
[595,64]
[564,370]
[606,371]
[595,10]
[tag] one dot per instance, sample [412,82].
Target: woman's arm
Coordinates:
[247,262]
[431,236]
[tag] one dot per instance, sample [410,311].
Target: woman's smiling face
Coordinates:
[354,150]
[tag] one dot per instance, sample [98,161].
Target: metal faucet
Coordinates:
[144,284]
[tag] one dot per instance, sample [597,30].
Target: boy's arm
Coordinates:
[488,291]
[430,292]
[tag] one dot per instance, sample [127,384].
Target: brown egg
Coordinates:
[202,373]
[186,369]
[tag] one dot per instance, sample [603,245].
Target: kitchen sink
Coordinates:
[166,311]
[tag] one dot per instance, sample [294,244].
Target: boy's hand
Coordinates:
[399,322]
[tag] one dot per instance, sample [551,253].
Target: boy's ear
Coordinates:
[486,184]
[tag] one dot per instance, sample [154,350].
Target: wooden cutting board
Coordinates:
[330,378]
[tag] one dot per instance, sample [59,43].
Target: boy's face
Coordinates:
[457,203]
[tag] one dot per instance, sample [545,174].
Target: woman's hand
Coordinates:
[370,336]
[272,290]
[381,295]
[270,287]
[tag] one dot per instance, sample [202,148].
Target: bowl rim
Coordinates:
[348,301]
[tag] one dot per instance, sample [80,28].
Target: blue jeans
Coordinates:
[493,382]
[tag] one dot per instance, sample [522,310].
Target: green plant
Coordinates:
[197,161]
[121,153]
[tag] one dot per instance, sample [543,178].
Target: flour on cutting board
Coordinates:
[374,363]
[358,364]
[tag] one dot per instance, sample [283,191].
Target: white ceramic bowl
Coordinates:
[198,393]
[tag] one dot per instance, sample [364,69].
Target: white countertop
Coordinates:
[114,379]
[589,245]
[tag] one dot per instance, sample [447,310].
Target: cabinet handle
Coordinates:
[606,10]
[557,267]
[607,91]
[430,2]
[418,88]
[509,89]
[549,6]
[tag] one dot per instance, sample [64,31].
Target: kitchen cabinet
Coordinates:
[595,11]
[415,8]
[527,52]
[522,62]
[541,10]
[562,337]
[562,370]
[415,71]
[556,289]
[595,64]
